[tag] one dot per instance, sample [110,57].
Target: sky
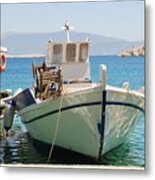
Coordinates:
[118,19]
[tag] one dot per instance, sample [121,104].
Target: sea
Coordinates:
[19,147]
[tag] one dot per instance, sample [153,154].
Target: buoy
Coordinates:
[8,117]
[2,63]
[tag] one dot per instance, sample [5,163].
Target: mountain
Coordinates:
[35,43]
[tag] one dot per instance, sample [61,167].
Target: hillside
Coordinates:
[35,43]
[136,51]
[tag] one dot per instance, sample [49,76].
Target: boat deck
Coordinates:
[77,87]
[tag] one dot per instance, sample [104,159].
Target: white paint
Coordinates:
[103,72]
[71,70]
[119,120]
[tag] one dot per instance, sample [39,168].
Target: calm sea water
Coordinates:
[20,148]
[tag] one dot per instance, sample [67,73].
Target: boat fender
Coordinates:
[9,116]
[2,107]
[2,63]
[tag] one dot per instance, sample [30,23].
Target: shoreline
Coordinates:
[26,56]
[44,56]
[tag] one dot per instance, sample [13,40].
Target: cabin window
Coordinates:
[71,52]
[83,52]
[57,53]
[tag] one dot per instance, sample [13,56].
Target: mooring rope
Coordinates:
[56,127]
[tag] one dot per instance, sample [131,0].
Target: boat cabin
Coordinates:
[73,57]
[65,63]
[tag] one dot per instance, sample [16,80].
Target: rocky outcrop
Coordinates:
[136,51]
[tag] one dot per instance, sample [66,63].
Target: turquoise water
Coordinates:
[20,148]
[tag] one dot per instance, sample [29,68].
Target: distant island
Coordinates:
[136,51]
[30,44]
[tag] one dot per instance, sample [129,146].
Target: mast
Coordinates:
[67,29]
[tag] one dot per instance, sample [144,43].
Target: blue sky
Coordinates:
[123,20]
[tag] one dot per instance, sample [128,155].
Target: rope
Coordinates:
[56,128]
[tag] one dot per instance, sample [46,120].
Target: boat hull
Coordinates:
[73,122]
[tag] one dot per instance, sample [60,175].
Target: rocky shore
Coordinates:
[136,51]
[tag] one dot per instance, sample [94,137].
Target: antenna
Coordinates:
[67,28]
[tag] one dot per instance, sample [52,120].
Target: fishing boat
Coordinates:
[65,108]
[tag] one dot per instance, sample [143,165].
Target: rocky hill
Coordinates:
[136,51]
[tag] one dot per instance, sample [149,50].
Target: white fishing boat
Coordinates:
[65,108]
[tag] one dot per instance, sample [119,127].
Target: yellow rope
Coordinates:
[56,128]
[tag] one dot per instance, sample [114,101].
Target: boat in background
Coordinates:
[7,93]
[65,108]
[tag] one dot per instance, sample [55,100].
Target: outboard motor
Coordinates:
[23,99]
